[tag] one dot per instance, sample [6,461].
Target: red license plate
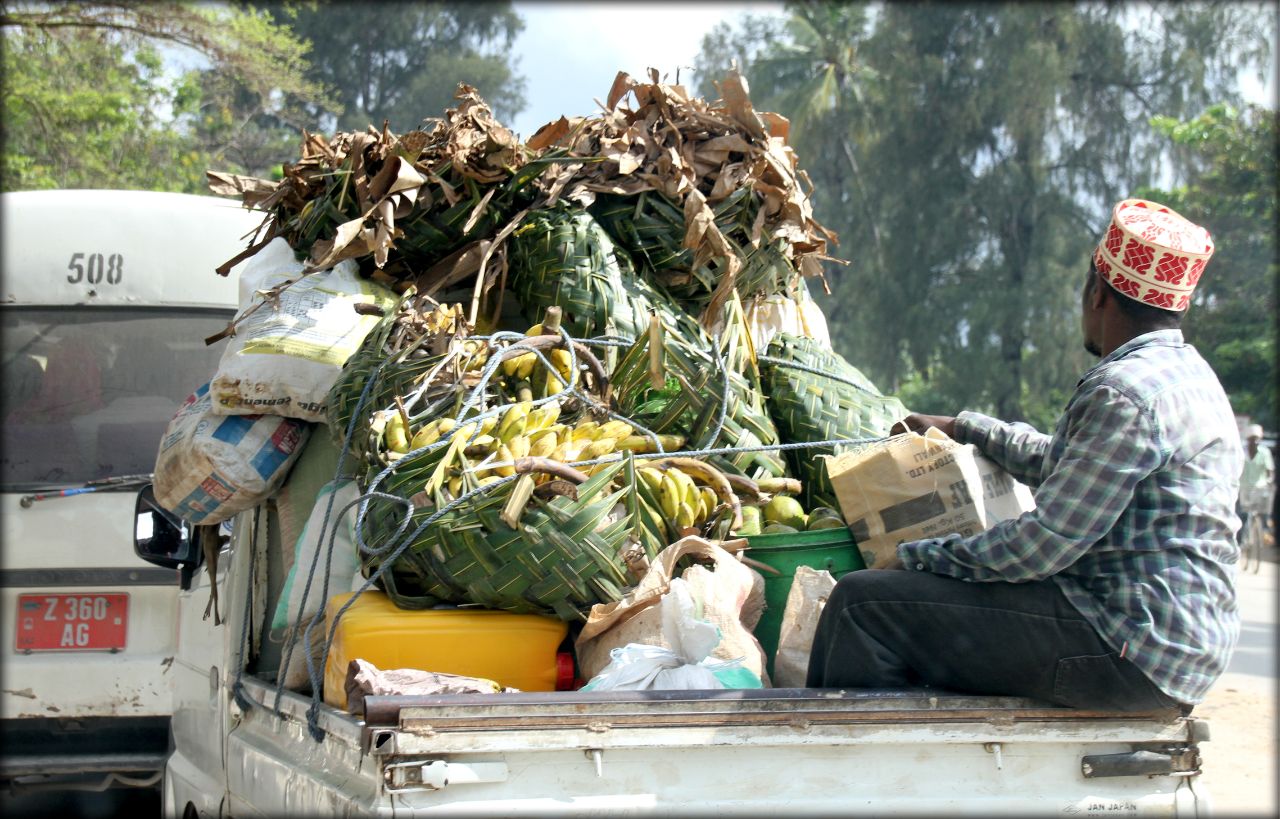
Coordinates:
[72,622]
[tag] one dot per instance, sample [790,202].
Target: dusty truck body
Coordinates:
[243,747]
[105,297]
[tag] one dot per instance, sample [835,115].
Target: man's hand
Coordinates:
[916,422]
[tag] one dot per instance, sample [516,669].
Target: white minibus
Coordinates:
[107,297]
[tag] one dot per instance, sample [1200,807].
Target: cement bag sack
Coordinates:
[808,596]
[725,596]
[287,354]
[913,486]
[212,467]
[321,552]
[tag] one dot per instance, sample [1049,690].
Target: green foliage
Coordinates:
[1231,188]
[402,62]
[79,113]
[88,102]
[968,156]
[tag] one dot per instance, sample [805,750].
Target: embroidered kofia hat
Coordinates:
[1152,254]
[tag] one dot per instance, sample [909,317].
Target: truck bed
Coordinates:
[744,752]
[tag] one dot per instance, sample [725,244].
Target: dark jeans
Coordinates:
[894,629]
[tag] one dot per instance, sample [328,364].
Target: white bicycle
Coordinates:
[1257,503]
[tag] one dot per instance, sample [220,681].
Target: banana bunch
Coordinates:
[522,367]
[395,432]
[691,495]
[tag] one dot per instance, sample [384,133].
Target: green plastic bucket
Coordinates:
[830,549]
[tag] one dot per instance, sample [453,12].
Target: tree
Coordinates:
[968,156]
[402,62]
[1232,190]
[89,104]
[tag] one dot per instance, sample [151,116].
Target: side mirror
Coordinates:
[162,538]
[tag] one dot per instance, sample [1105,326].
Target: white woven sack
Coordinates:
[329,548]
[211,467]
[286,355]
[783,314]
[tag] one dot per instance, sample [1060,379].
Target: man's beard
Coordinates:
[1092,348]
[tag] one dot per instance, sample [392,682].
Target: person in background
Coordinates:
[1256,477]
[1118,590]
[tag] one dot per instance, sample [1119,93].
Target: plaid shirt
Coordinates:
[1135,511]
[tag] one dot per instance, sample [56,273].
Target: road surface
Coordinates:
[1240,758]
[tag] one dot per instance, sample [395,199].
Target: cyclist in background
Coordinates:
[1256,477]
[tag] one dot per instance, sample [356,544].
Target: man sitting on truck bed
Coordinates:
[1117,592]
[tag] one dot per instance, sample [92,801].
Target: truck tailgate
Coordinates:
[766,752]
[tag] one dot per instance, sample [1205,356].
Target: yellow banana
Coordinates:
[395,434]
[685,516]
[482,445]
[512,366]
[543,417]
[707,500]
[562,361]
[514,421]
[519,446]
[429,433]
[462,433]
[544,444]
[616,430]
[568,450]
[477,353]
[455,486]
[688,489]
[522,365]
[585,431]
[652,477]
[669,496]
[643,444]
[597,449]
[504,455]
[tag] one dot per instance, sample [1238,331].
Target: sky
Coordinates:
[570,52]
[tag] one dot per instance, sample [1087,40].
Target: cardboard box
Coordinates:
[914,486]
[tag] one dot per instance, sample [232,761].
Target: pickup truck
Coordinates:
[244,747]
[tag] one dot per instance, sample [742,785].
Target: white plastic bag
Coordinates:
[808,596]
[638,667]
[730,596]
[682,663]
[286,356]
[210,467]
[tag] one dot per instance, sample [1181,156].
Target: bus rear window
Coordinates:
[88,392]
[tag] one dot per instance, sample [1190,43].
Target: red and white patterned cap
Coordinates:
[1152,254]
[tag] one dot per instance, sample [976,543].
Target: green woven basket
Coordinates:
[810,407]
[652,229]
[566,555]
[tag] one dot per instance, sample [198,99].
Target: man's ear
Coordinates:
[1099,293]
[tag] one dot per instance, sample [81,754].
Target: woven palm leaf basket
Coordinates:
[807,406]
[568,551]
[652,230]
